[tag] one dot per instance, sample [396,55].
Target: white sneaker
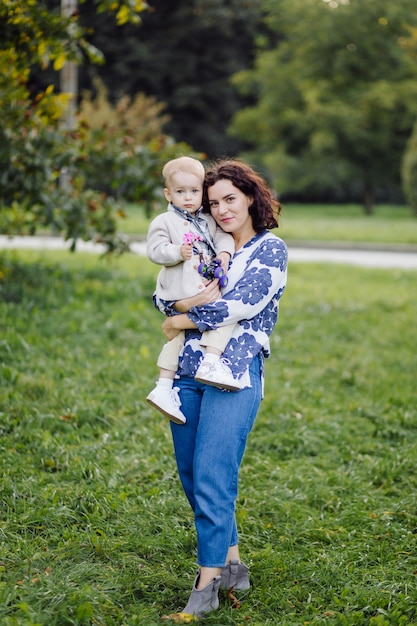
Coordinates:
[217,374]
[168,402]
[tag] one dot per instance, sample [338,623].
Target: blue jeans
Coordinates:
[209,449]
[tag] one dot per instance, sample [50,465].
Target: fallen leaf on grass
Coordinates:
[70,417]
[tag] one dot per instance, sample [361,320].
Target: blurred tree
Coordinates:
[184,54]
[124,140]
[34,147]
[336,99]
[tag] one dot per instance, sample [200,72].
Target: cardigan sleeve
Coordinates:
[159,246]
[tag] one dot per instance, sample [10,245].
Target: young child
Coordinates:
[172,242]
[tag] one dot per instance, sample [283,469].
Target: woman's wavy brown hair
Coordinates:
[265,208]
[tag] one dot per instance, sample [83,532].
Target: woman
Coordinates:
[210,447]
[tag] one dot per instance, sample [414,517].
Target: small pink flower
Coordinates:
[190,237]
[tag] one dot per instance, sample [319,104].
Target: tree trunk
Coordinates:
[368,199]
[68,85]
[69,73]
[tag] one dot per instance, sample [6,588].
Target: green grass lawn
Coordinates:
[346,223]
[94,527]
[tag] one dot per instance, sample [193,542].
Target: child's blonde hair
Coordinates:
[183,164]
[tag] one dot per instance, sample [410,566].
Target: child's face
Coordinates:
[185,191]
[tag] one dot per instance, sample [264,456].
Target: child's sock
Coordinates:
[211,358]
[165,382]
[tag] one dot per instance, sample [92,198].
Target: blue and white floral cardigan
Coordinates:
[257,278]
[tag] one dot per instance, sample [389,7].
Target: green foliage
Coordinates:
[33,153]
[48,175]
[126,142]
[335,103]
[28,140]
[409,171]
[41,35]
[140,118]
[184,54]
[94,525]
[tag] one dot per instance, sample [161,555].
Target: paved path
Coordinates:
[364,258]
[361,257]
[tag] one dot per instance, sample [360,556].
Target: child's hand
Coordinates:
[168,329]
[186,251]
[224,258]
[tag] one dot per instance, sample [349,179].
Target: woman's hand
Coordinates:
[173,325]
[224,258]
[210,294]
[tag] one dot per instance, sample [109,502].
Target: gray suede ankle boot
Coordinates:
[235,576]
[200,602]
[203,601]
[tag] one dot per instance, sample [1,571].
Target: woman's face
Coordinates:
[230,208]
